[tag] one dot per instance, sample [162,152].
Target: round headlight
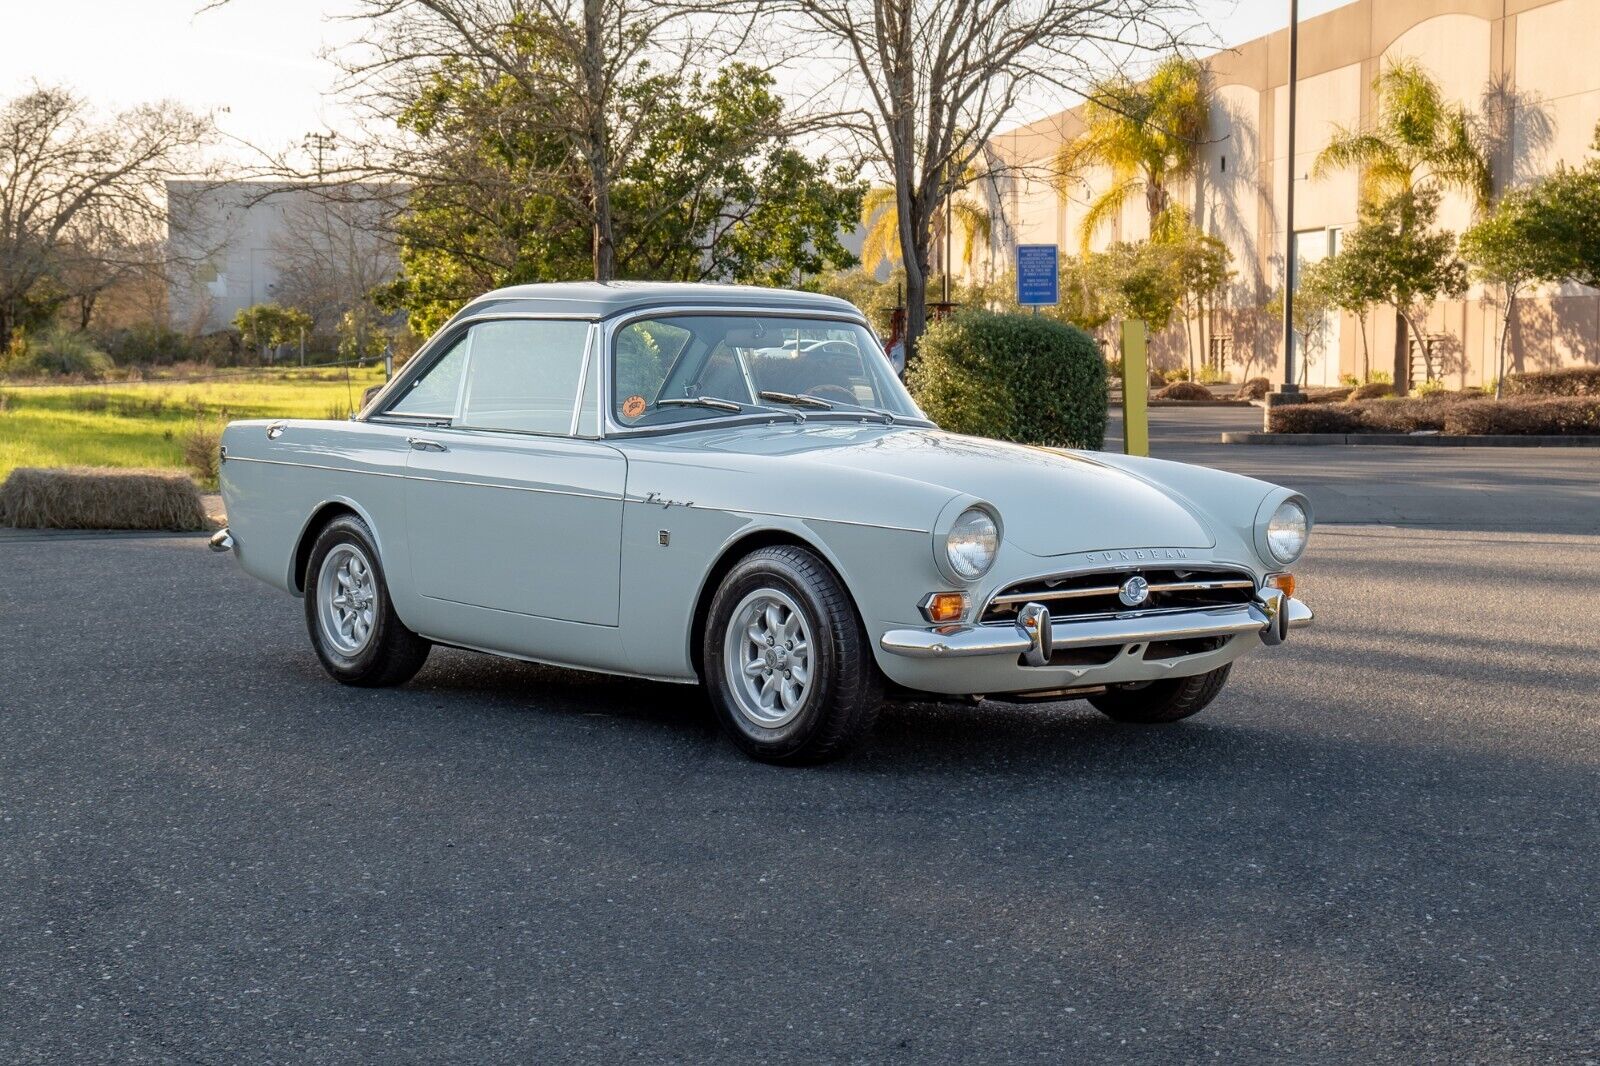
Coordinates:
[1287,532]
[971,543]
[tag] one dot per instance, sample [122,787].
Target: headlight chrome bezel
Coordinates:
[1280,514]
[945,529]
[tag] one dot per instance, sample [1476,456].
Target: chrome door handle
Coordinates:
[426,445]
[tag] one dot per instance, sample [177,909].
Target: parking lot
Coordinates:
[1380,843]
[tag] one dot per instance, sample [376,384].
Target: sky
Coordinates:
[262,66]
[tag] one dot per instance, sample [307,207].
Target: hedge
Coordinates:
[1255,388]
[1574,381]
[1022,378]
[1448,413]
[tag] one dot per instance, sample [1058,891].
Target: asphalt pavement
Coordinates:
[1381,843]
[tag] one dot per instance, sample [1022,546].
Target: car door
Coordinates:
[513,505]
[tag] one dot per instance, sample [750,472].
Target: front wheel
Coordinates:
[787,661]
[1162,701]
[353,627]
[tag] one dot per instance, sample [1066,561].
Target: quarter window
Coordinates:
[436,393]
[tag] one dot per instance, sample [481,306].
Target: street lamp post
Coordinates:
[1289,388]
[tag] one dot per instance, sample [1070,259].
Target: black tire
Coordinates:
[1162,701]
[844,689]
[391,654]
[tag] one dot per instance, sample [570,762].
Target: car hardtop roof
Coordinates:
[603,299]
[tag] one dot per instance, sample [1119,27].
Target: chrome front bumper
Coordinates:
[1036,635]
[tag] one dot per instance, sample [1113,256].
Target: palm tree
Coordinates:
[1149,135]
[882,242]
[1418,139]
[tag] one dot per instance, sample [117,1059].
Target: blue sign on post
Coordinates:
[1038,275]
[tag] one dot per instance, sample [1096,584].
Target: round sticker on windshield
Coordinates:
[633,406]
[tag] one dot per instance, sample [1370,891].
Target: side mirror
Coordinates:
[366,397]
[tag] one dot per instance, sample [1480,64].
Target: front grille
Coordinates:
[1093,594]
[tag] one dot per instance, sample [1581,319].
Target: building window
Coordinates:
[1219,352]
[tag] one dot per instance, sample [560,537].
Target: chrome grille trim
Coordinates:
[1197,587]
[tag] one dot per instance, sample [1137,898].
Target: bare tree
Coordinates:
[77,196]
[572,61]
[934,80]
[334,251]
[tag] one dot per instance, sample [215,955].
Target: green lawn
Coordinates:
[144,424]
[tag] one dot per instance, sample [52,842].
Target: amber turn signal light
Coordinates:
[942,607]
[1282,582]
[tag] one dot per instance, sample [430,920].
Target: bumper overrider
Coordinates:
[1035,637]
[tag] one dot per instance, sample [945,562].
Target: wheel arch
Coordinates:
[742,545]
[320,516]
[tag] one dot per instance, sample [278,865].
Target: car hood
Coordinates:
[1050,502]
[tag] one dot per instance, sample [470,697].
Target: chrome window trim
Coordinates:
[436,345]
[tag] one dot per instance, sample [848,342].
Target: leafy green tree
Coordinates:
[263,326]
[1148,133]
[1143,282]
[1406,261]
[1532,235]
[1313,302]
[1417,141]
[1203,265]
[709,191]
[1349,287]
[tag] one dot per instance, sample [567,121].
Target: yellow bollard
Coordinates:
[1135,387]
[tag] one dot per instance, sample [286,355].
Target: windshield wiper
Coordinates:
[717,403]
[714,402]
[830,405]
[803,401]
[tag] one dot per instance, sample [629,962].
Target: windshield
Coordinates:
[668,370]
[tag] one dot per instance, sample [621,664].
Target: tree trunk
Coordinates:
[1505,337]
[599,147]
[1366,352]
[1402,353]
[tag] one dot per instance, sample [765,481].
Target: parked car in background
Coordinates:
[730,486]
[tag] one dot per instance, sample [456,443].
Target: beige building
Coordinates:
[1527,66]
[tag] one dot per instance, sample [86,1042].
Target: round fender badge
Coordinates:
[633,406]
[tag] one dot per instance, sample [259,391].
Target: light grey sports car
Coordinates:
[730,486]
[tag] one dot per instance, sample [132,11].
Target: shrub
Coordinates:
[100,498]
[1349,379]
[1574,381]
[1371,391]
[1430,388]
[1157,379]
[1255,388]
[1380,377]
[1185,390]
[1022,378]
[1180,374]
[1406,415]
[202,450]
[1210,375]
[1311,418]
[1329,396]
[60,352]
[146,345]
[1544,415]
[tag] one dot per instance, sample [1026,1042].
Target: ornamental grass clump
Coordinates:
[101,498]
[1022,378]
[1184,390]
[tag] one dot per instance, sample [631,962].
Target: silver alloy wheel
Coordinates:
[767,658]
[347,599]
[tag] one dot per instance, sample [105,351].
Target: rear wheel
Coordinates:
[786,659]
[1162,701]
[353,627]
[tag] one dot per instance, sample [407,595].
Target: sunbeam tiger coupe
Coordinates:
[730,486]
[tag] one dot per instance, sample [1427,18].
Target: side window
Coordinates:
[524,375]
[435,393]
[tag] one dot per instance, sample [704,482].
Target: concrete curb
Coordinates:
[1434,440]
